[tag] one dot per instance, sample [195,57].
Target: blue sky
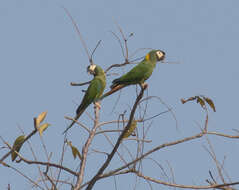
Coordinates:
[41,54]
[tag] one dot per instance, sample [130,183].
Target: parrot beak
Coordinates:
[160,55]
[91,69]
[88,70]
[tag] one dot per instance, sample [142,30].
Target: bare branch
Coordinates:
[79,33]
[184,186]
[199,135]
[162,102]
[120,43]
[62,158]
[104,166]
[104,176]
[24,175]
[80,84]
[47,164]
[49,179]
[85,150]
[223,135]
[97,45]
[80,124]
[117,65]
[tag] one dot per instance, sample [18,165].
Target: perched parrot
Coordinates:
[137,75]
[93,92]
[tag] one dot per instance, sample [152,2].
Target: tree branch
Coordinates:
[80,84]
[184,186]
[85,150]
[104,166]
[47,164]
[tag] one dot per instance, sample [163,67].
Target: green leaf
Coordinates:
[210,103]
[17,146]
[131,129]
[40,118]
[74,150]
[42,128]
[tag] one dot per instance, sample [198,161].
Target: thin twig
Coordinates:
[120,43]
[80,124]
[184,186]
[62,158]
[22,174]
[34,155]
[213,155]
[169,108]
[97,45]
[79,33]
[117,65]
[49,178]
[115,174]
[26,138]
[157,148]
[80,84]
[223,135]
[47,164]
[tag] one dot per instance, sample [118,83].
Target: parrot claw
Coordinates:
[144,85]
[97,104]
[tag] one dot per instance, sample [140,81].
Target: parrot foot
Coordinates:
[97,104]
[144,85]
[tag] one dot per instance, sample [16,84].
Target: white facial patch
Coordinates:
[159,54]
[92,67]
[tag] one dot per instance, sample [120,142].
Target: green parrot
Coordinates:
[93,92]
[139,74]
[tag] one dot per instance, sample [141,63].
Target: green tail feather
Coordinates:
[75,119]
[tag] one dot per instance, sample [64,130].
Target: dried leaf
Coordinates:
[183,101]
[40,118]
[42,128]
[131,129]
[75,151]
[201,102]
[189,99]
[210,103]
[17,146]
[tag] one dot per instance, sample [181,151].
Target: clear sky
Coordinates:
[41,54]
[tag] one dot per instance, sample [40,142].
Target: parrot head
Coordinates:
[160,55]
[155,55]
[94,70]
[91,69]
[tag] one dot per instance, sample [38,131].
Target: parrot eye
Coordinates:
[160,55]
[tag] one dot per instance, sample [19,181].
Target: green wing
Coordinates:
[137,75]
[93,92]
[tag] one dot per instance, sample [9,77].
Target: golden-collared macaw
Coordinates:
[139,74]
[93,92]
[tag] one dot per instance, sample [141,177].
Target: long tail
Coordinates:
[75,119]
[113,90]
